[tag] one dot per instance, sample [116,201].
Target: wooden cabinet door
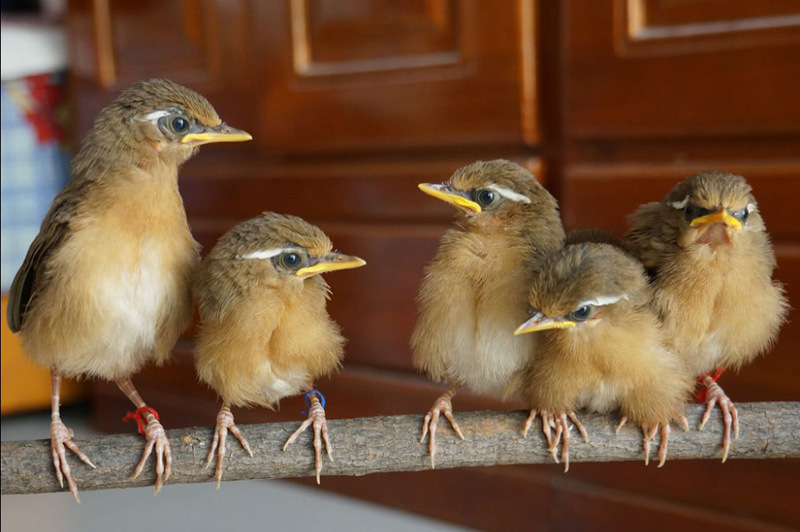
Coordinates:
[380,75]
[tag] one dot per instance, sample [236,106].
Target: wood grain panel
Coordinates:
[653,25]
[745,87]
[329,37]
[443,74]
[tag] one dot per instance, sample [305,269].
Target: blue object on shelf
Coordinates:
[35,163]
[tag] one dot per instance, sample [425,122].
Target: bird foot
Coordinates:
[316,417]
[730,416]
[649,433]
[224,424]
[60,441]
[156,438]
[442,406]
[556,427]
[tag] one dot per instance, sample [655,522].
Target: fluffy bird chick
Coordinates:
[601,347]
[474,292]
[105,286]
[265,332]
[711,262]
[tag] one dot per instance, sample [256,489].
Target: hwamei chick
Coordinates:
[711,262]
[265,332]
[105,286]
[474,292]
[601,347]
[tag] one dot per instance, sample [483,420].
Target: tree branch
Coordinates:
[384,444]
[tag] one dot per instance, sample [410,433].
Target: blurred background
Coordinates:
[351,104]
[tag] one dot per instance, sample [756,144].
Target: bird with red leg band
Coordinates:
[711,263]
[105,286]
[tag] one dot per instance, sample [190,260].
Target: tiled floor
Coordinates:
[238,506]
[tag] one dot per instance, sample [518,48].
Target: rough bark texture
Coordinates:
[383,444]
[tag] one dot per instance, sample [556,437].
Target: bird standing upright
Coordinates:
[601,347]
[265,332]
[711,262]
[474,292]
[105,286]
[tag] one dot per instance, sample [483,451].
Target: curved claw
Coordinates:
[225,423]
[442,406]
[316,417]
[649,433]
[156,438]
[60,441]
[528,422]
[622,421]
[730,416]
[560,423]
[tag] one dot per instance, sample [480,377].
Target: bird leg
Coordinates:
[61,438]
[730,416]
[154,434]
[442,405]
[316,415]
[224,424]
[558,421]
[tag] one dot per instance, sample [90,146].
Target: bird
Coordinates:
[264,331]
[105,286]
[711,262]
[474,291]
[601,347]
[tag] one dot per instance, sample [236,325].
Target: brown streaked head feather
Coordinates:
[537,218]
[587,271]
[712,189]
[272,230]
[225,274]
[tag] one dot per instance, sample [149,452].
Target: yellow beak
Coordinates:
[221,133]
[443,193]
[329,263]
[540,322]
[719,216]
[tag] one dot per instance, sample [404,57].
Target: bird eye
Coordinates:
[740,215]
[692,211]
[484,197]
[290,260]
[582,314]
[179,124]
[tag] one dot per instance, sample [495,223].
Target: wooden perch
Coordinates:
[384,444]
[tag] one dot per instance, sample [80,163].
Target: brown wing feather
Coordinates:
[55,228]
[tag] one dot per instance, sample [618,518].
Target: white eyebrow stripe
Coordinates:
[680,204]
[155,115]
[509,194]
[263,254]
[601,301]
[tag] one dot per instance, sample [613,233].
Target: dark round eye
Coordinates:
[740,215]
[291,260]
[484,197]
[179,124]
[582,314]
[692,211]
